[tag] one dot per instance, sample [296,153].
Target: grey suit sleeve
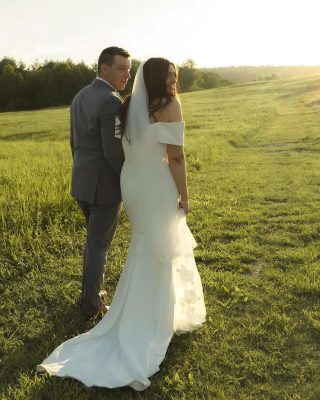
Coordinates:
[71,134]
[112,147]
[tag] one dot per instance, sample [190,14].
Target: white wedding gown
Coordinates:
[159,291]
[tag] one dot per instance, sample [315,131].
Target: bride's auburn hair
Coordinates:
[155,74]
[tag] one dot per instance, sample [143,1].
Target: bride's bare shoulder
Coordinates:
[172,112]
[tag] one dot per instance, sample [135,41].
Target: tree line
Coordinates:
[54,83]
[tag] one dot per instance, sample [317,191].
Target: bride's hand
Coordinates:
[185,206]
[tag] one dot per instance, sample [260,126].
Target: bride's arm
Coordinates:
[177,165]
[176,158]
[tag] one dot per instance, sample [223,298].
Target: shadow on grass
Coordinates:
[37,136]
[33,351]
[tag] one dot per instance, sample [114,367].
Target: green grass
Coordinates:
[254,173]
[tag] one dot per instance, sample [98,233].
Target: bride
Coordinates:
[159,291]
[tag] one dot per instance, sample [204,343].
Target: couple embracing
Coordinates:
[159,292]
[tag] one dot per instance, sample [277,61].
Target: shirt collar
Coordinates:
[103,80]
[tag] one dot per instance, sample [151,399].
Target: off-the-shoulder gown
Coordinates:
[159,291]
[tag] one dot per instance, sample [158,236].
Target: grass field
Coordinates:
[254,176]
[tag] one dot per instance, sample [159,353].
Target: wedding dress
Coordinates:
[159,291]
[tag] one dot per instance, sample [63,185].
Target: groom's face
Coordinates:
[118,73]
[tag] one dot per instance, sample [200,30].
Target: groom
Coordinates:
[97,162]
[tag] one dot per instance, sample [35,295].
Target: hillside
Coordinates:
[250,73]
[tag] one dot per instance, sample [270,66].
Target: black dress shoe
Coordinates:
[101,311]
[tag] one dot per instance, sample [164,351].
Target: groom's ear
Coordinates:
[104,68]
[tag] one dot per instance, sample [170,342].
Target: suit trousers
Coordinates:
[101,222]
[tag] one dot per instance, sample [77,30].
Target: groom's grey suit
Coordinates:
[97,162]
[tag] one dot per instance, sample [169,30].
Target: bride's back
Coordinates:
[149,146]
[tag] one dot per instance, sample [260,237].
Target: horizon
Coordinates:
[37,61]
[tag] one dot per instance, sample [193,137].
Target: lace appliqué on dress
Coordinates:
[189,309]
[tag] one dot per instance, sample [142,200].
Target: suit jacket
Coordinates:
[97,153]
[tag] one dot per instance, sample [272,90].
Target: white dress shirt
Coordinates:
[103,80]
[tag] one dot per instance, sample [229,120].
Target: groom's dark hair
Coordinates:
[107,55]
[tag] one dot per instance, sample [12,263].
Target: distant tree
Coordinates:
[10,82]
[40,85]
[34,91]
[94,67]
[268,77]
[187,76]
[54,83]
[61,83]
[209,80]
[7,61]
[81,76]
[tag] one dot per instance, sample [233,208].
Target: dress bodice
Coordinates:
[150,146]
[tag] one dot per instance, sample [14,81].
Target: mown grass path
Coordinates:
[253,161]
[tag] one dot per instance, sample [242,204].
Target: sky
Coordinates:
[213,33]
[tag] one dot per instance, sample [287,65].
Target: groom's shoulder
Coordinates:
[109,96]
[82,91]
[97,93]
[103,89]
